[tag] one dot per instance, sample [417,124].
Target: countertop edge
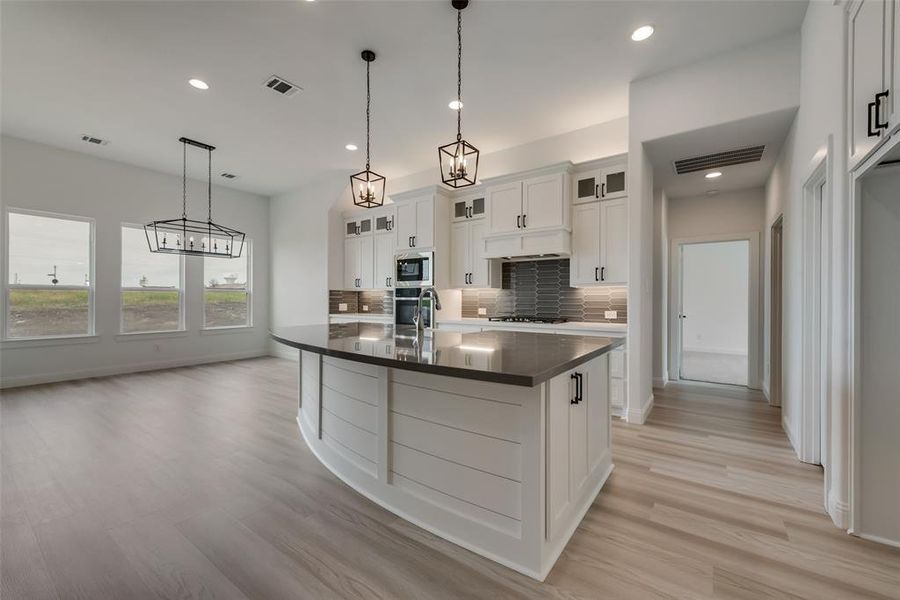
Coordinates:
[502,378]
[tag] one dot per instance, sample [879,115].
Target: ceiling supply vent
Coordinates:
[719,160]
[282,86]
[94,140]
[229,175]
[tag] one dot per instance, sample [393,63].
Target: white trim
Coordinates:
[639,415]
[729,351]
[838,511]
[786,426]
[879,539]
[227,329]
[182,308]
[248,290]
[660,382]
[754,309]
[151,335]
[63,340]
[8,382]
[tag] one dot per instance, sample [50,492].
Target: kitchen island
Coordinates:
[497,441]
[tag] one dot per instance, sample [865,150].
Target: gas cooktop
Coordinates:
[528,319]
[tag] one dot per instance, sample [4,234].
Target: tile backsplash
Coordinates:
[541,287]
[380,302]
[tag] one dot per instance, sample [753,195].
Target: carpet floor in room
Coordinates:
[195,483]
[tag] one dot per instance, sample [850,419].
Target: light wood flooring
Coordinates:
[194,483]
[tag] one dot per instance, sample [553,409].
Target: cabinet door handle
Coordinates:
[596,273]
[602,273]
[872,117]
[878,97]
[524,221]
[414,241]
[603,190]
[580,382]
[519,222]
[574,377]
[596,191]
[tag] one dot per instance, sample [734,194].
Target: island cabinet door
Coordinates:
[561,392]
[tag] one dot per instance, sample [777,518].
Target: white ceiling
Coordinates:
[769,130]
[119,70]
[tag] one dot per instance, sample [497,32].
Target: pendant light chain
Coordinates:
[368,105]
[459,75]
[184,180]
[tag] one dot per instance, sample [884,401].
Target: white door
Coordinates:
[715,312]
[424,235]
[351,263]
[479,271]
[406,224]
[614,242]
[612,183]
[543,204]
[505,208]
[367,262]
[584,266]
[459,254]
[867,28]
[384,260]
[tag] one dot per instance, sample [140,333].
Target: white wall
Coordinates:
[715,286]
[39,177]
[818,125]
[728,212]
[660,285]
[751,81]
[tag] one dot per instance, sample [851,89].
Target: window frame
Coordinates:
[92,277]
[182,316]
[249,251]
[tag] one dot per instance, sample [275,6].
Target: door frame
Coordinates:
[815,309]
[754,306]
[776,301]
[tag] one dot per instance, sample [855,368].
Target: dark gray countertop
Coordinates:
[510,357]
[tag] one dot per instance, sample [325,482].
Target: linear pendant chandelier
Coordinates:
[367,187]
[458,160]
[189,236]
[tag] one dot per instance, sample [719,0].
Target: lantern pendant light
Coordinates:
[190,236]
[458,160]
[367,187]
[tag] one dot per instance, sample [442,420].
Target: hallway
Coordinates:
[112,489]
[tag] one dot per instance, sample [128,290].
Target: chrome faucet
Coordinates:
[417,318]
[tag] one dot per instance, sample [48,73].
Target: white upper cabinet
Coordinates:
[468,265]
[584,266]
[613,182]
[604,183]
[369,244]
[472,207]
[359,266]
[586,187]
[614,242]
[358,226]
[543,202]
[872,72]
[599,244]
[505,208]
[385,244]
[415,223]
[459,254]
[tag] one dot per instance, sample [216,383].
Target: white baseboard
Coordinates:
[660,382]
[879,539]
[10,382]
[787,431]
[729,351]
[639,415]
[839,511]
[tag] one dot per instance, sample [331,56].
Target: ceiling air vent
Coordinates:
[229,175]
[282,86]
[94,140]
[719,159]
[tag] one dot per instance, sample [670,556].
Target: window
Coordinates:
[226,294]
[50,283]
[152,288]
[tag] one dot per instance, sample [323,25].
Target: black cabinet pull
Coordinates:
[878,97]
[574,377]
[603,190]
[409,241]
[596,273]
[524,221]
[596,191]
[519,222]
[870,122]
[580,384]
[602,273]
[414,240]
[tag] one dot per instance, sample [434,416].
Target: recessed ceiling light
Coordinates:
[455,104]
[642,33]
[714,174]
[350,147]
[199,84]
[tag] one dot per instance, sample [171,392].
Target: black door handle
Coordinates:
[873,108]
[878,97]
[602,273]
[596,273]
[580,382]
[414,240]
[603,190]
[524,221]
[519,222]
[574,378]
[596,191]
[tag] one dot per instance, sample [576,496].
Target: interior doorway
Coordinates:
[714,312]
[776,312]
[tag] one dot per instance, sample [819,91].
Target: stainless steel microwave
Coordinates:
[414,269]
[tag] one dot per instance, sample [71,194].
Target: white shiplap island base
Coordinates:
[506,471]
